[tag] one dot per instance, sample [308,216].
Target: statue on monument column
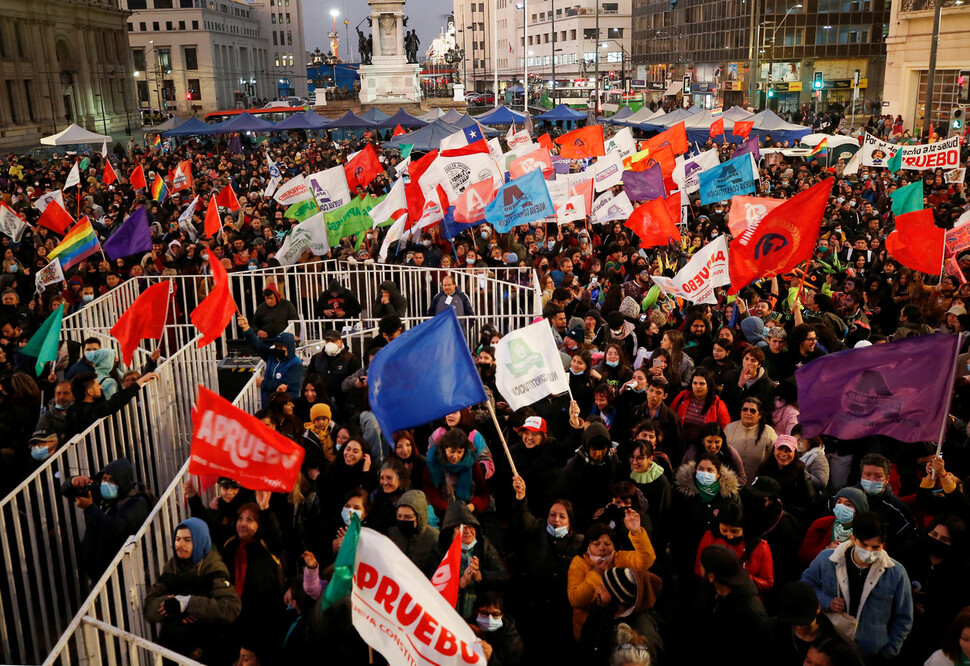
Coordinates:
[411,43]
[363,47]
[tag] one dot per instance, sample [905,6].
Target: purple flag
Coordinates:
[750,145]
[133,236]
[561,164]
[644,185]
[898,389]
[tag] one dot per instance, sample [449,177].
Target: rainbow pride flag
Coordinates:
[159,190]
[79,243]
[157,142]
[821,149]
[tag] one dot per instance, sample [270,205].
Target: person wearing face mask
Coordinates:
[412,533]
[828,532]
[113,510]
[356,503]
[481,568]
[42,445]
[334,363]
[337,302]
[753,552]
[192,599]
[900,525]
[498,629]
[284,371]
[863,590]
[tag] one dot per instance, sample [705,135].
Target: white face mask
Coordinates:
[866,556]
[347,512]
[331,349]
[558,532]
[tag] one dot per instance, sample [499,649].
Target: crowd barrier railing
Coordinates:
[41,582]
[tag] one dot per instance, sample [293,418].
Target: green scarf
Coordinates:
[840,533]
[708,492]
[653,473]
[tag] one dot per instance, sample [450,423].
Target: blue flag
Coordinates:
[720,183]
[520,201]
[422,375]
[133,236]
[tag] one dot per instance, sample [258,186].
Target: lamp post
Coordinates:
[524,6]
[596,103]
[771,53]
[931,74]
[334,39]
[554,52]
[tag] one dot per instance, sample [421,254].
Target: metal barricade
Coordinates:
[41,584]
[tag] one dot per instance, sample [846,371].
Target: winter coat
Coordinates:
[334,370]
[756,560]
[459,303]
[103,361]
[507,646]
[659,496]
[729,457]
[397,304]
[274,320]
[797,492]
[82,415]
[421,547]
[598,638]
[692,515]
[587,483]
[262,593]
[885,613]
[337,297]
[754,450]
[545,560]
[900,526]
[718,411]
[762,388]
[278,371]
[495,576]
[817,538]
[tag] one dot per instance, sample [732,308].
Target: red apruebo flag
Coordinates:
[448,573]
[212,220]
[917,242]
[675,137]
[145,318]
[109,174]
[742,128]
[537,159]
[470,204]
[137,178]
[653,223]
[784,238]
[214,313]
[226,441]
[363,168]
[582,143]
[55,218]
[584,188]
[398,131]
[227,198]
[717,127]
[181,178]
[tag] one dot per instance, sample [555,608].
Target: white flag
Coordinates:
[607,208]
[293,190]
[52,273]
[393,207]
[955,176]
[607,172]
[852,168]
[398,612]
[528,366]
[73,178]
[401,169]
[687,172]
[329,188]
[396,233]
[185,219]
[104,149]
[275,177]
[47,197]
[574,210]
[706,270]
[310,234]
[11,224]
[622,142]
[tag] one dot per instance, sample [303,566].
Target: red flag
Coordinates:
[398,131]
[145,318]
[537,159]
[363,168]
[664,156]
[474,148]
[585,189]
[676,137]
[109,174]
[470,204]
[227,198]
[784,238]
[653,223]
[917,242]
[55,218]
[717,127]
[182,177]
[212,221]
[582,143]
[137,179]
[446,577]
[412,191]
[743,128]
[226,441]
[214,313]
[545,141]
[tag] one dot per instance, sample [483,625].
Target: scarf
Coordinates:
[653,473]
[462,471]
[240,564]
[840,533]
[708,493]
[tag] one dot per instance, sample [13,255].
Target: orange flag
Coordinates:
[742,128]
[545,141]
[582,143]
[212,220]
[917,242]
[109,174]
[653,223]
[145,318]
[676,137]
[137,179]
[363,168]
[214,313]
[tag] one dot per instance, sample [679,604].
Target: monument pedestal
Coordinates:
[389,80]
[459,90]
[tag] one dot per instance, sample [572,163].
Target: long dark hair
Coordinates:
[711,386]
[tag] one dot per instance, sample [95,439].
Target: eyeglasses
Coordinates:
[811,339]
[495,614]
[638,458]
[749,410]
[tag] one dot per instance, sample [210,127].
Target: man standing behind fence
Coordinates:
[450,296]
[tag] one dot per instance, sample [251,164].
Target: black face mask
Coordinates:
[733,541]
[407,527]
[936,548]
[280,354]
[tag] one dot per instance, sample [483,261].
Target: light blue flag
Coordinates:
[402,398]
[520,201]
[728,179]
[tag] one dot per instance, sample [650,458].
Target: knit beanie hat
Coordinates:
[318,410]
[621,583]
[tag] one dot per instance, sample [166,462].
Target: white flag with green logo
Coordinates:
[528,366]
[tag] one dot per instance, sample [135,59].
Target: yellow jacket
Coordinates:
[583,580]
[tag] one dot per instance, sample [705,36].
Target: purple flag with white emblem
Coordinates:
[749,146]
[644,185]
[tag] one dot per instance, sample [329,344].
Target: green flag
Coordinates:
[343,567]
[43,344]
[406,150]
[350,219]
[302,210]
[907,199]
[896,161]
[85,163]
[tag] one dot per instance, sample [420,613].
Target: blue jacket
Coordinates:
[287,371]
[885,613]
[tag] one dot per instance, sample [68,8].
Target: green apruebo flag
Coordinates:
[43,344]
[343,567]
[302,210]
[895,162]
[907,199]
[350,219]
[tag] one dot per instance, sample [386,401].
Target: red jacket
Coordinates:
[817,538]
[718,411]
[759,564]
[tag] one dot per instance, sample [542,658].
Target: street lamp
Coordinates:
[771,53]
[624,57]
[334,39]
[931,74]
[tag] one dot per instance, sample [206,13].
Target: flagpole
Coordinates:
[949,400]
[501,436]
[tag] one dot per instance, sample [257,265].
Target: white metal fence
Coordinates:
[41,584]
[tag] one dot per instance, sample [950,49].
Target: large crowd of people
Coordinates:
[672,512]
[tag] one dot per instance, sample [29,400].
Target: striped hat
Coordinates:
[621,583]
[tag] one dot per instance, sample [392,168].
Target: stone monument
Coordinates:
[386,77]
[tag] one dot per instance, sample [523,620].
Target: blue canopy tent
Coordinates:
[191,127]
[374,115]
[451,117]
[402,118]
[466,120]
[562,112]
[308,120]
[769,123]
[425,139]
[623,113]
[501,115]
[349,120]
[241,123]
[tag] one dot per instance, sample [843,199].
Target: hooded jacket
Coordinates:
[109,523]
[753,329]
[287,371]
[694,516]
[103,361]
[494,574]
[397,304]
[589,483]
[422,546]
[274,320]
[337,297]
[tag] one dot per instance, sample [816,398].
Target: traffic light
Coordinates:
[958,119]
[817,81]
[771,92]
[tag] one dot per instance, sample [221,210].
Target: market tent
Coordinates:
[431,115]
[501,115]
[349,120]
[736,113]
[170,124]
[404,119]
[624,112]
[241,123]
[666,121]
[74,135]
[562,112]
[465,120]
[191,127]
[374,115]
[644,115]
[425,139]
[768,122]
[451,117]
[308,120]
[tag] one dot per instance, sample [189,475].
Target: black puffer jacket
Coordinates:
[396,305]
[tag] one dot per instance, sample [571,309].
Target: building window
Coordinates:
[287,17]
[589,33]
[291,60]
[272,19]
[614,56]
[572,35]
[168,90]
[141,89]
[137,4]
[155,27]
[615,33]
[274,39]
[163,4]
[168,25]
[138,59]
[277,59]
[289,38]
[19,39]
[12,101]
[143,26]
[28,98]
[165,59]
[191,59]
[131,28]
[195,89]
[185,4]
[181,25]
